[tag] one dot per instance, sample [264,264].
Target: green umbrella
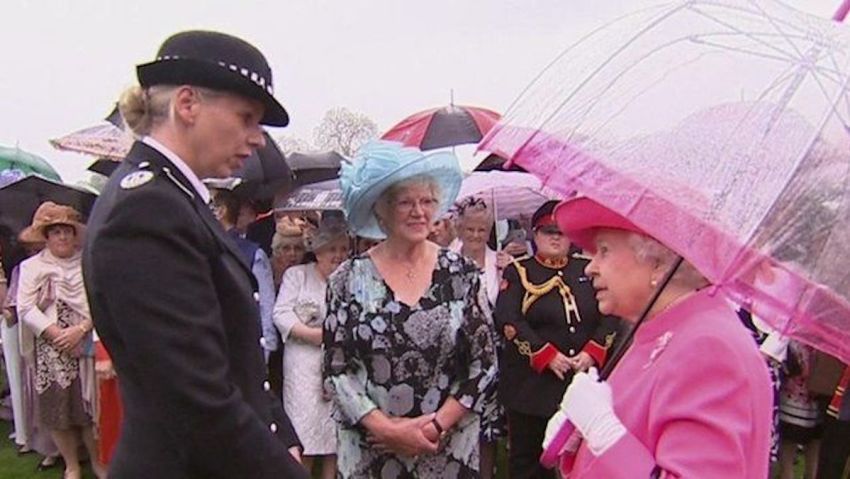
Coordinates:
[17,159]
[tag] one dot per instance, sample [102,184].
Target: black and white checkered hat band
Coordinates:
[255,77]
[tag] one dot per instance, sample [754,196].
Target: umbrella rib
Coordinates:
[596,71]
[757,14]
[826,96]
[779,30]
[831,57]
[742,49]
[821,69]
[792,172]
[780,79]
[751,35]
[594,100]
[567,50]
[625,104]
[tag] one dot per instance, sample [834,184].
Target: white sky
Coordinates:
[65,62]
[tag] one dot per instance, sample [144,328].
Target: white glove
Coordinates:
[775,346]
[589,405]
[553,426]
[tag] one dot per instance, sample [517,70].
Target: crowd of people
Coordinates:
[401,337]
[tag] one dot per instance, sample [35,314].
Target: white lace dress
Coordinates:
[302,299]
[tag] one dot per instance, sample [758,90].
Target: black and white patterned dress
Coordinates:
[406,361]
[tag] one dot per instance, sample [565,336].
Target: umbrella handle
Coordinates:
[553,452]
[841,13]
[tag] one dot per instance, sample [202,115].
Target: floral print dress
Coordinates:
[406,361]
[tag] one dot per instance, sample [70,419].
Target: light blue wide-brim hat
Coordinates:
[380,164]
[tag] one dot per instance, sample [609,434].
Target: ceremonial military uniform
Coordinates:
[545,306]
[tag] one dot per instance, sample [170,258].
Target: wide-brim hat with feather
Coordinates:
[380,164]
[50,214]
[217,61]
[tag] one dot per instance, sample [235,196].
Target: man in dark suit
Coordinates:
[172,299]
[551,326]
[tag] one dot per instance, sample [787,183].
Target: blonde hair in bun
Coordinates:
[142,109]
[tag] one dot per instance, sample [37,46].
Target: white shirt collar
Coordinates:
[181,165]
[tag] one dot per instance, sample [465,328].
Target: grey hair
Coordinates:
[649,250]
[144,109]
[384,203]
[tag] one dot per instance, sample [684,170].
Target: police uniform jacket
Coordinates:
[544,308]
[176,307]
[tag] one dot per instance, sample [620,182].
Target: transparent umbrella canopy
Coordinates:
[720,128]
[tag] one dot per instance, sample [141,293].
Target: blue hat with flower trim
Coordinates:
[380,164]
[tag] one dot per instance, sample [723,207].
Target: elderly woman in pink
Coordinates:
[691,398]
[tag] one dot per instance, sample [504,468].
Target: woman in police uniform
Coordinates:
[172,298]
[551,327]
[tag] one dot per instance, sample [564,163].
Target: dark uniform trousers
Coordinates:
[176,307]
[545,307]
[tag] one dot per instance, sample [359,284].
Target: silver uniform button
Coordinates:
[572,329]
[572,352]
[273,427]
[256,296]
[560,273]
[266,386]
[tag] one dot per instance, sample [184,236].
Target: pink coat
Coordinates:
[695,397]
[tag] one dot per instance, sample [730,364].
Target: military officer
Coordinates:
[171,297]
[548,317]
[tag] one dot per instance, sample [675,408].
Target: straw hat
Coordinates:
[289,230]
[50,214]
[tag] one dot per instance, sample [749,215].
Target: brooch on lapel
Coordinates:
[660,346]
[136,179]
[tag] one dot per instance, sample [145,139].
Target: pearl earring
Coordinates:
[653,283]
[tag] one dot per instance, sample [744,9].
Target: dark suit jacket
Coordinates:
[174,304]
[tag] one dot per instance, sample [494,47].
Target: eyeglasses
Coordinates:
[406,205]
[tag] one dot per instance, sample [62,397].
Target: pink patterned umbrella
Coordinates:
[103,140]
[721,129]
[510,194]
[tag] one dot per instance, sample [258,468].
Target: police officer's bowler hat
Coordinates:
[217,61]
